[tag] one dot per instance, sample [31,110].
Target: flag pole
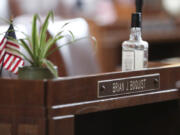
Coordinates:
[1,69]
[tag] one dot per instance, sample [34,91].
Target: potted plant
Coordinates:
[38,46]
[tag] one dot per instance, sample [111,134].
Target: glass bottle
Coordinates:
[135,50]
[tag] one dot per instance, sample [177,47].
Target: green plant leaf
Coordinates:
[29,41]
[49,44]
[66,44]
[44,47]
[26,47]
[35,37]
[43,34]
[72,35]
[65,25]
[51,67]
[59,33]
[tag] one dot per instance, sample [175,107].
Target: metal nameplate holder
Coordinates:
[129,85]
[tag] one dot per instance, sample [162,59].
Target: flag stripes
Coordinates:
[2,48]
[11,44]
[9,57]
[14,59]
[3,43]
[12,62]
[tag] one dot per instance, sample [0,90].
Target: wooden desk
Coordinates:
[70,106]
[22,107]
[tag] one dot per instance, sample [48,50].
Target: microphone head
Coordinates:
[139,5]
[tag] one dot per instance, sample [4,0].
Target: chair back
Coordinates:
[79,56]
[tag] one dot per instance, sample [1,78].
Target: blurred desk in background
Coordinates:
[162,34]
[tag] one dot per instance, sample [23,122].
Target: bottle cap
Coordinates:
[136,20]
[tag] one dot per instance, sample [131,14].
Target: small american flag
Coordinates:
[9,59]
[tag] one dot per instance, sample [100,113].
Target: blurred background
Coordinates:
[109,22]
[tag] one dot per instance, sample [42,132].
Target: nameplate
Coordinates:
[128,86]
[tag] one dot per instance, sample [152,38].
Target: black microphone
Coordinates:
[139,5]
